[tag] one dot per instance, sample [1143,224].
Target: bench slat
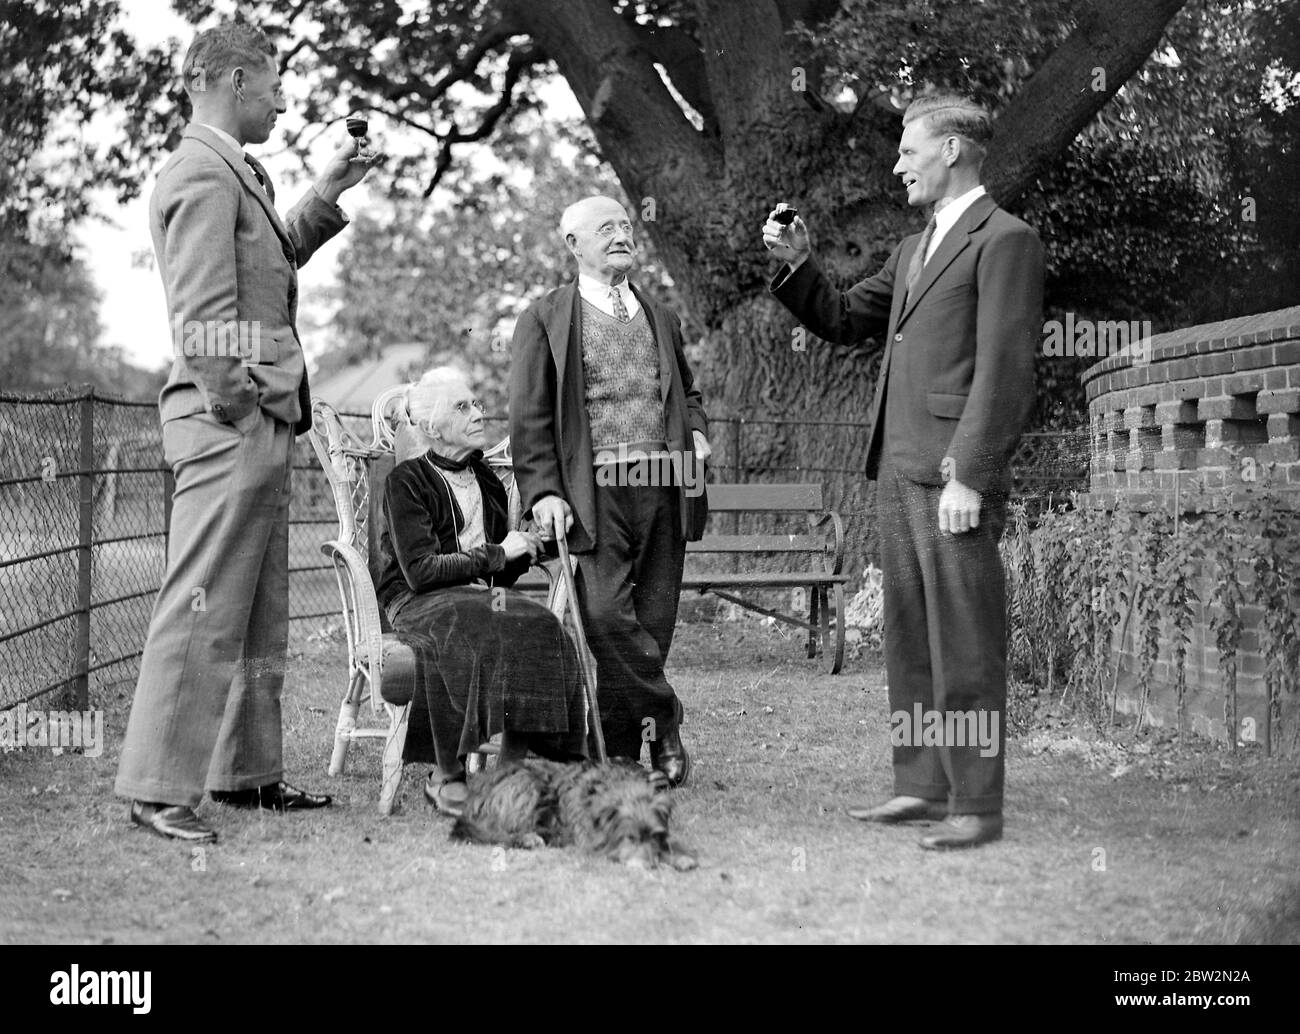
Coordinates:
[729,498]
[759,543]
[692,580]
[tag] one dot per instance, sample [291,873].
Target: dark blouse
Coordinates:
[419,551]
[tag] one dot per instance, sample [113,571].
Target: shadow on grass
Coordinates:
[1198,849]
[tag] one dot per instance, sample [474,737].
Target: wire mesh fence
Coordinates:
[1046,465]
[86,497]
[86,500]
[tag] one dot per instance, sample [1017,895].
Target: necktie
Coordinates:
[263,180]
[918,258]
[620,309]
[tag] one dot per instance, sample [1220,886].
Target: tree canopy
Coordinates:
[1137,135]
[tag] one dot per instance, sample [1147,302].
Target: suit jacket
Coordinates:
[550,437]
[960,353]
[227,258]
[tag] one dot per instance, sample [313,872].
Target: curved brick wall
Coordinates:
[1184,424]
[1210,400]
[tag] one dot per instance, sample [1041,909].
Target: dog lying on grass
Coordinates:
[616,809]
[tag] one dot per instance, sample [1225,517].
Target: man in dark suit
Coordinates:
[207,706]
[608,434]
[961,308]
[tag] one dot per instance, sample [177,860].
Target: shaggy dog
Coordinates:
[617,810]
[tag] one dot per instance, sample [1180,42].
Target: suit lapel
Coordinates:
[900,288]
[560,326]
[954,242]
[243,173]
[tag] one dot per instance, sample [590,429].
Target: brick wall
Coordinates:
[1211,404]
[1187,424]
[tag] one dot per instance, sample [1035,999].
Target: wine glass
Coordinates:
[358,126]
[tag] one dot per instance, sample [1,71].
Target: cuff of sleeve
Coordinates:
[788,274]
[976,476]
[332,206]
[494,558]
[233,412]
[537,498]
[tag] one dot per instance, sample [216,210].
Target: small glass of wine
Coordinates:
[358,127]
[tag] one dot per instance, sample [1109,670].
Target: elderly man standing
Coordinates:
[960,306]
[207,706]
[608,433]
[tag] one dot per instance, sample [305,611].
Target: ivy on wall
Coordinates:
[1086,579]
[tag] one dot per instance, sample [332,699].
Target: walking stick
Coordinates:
[584,655]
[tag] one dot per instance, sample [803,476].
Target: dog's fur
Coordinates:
[616,809]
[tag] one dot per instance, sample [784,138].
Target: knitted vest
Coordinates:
[620,363]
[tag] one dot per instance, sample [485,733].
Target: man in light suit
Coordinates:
[960,306]
[609,434]
[207,706]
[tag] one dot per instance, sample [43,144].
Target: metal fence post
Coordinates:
[735,446]
[85,556]
[736,466]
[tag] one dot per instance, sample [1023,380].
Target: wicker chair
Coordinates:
[380,667]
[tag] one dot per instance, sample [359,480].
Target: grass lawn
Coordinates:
[1149,842]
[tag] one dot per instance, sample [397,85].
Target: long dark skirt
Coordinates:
[487,661]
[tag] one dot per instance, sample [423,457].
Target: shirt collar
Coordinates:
[590,286]
[224,137]
[946,217]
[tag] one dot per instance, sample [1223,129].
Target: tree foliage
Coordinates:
[62,66]
[1129,131]
[50,333]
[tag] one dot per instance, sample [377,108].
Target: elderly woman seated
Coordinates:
[488,659]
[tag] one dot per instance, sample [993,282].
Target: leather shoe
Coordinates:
[959,831]
[668,755]
[448,797]
[272,797]
[901,809]
[172,821]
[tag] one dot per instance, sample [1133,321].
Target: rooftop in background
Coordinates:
[353,388]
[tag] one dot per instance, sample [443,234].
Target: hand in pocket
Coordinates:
[248,421]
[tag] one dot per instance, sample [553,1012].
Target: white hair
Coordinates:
[573,215]
[426,399]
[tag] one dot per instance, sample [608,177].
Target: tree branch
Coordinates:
[464,67]
[636,121]
[520,61]
[679,52]
[749,67]
[1112,41]
[352,65]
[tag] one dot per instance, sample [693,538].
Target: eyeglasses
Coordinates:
[463,407]
[608,230]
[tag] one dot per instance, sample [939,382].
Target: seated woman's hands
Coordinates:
[519,543]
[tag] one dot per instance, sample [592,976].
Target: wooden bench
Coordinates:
[818,575]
